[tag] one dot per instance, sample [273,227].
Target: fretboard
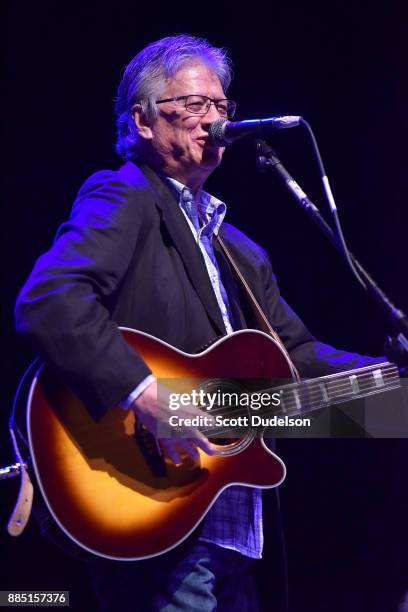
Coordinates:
[304,397]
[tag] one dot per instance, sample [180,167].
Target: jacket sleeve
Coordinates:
[311,357]
[61,307]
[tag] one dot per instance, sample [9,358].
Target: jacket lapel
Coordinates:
[187,247]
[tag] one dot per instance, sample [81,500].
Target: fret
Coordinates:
[323,390]
[354,384]
[378,378]
[297,399]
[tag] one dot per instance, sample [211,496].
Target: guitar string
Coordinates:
[288,405]
[344,379]
[339,386]
[310,391]
[330,385]
[305,391]
[292,412]
[315,388]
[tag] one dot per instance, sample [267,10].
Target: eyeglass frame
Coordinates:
[214,101]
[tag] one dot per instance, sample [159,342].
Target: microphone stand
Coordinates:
[396,346]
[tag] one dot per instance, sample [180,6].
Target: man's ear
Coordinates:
[142,125]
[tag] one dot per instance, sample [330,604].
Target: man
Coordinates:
[140,250]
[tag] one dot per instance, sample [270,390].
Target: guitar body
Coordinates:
[94,476]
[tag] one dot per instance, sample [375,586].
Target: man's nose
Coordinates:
[211,115]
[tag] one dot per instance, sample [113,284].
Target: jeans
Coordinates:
[195,576]
[203,578]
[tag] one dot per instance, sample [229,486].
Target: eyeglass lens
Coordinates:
[201,104]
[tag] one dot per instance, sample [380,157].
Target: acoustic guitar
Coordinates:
[108,485]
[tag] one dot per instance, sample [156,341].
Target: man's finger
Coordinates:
[189,446]
[171,451]
[205,445]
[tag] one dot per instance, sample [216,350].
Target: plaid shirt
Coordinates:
[235,519]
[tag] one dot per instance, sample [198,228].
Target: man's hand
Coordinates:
[152,407]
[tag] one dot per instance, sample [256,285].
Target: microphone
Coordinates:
[223,132]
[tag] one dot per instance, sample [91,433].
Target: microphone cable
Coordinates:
[332,205]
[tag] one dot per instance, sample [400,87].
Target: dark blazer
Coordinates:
[127,257]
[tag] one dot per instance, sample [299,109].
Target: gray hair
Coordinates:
[144,80]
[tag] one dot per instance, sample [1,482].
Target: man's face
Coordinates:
[178,138]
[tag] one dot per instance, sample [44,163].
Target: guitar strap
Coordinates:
[22,510]
[21,513]
[260,316]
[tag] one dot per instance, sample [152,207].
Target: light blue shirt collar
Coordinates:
[211,210]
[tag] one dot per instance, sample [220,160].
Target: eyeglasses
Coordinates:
[200,105]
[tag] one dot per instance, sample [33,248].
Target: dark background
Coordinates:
[341,65]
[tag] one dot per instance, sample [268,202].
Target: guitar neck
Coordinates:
[302,398]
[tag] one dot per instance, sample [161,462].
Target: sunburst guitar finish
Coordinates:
[94,477]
